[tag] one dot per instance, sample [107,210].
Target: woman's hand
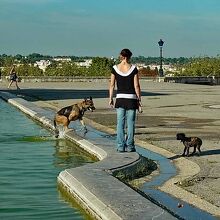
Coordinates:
[111,103]
[140,109]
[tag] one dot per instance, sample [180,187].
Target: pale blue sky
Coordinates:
[104,27]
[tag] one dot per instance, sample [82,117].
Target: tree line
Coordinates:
[201,66]
[101,66]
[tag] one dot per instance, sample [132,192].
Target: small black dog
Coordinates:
[189,142]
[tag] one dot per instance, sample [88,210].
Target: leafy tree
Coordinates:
[62,69]
[32,58]
[7,60]
[27,70]
[202,66]
[101,66]
[18,57]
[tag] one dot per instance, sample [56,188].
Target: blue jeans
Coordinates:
[125,117]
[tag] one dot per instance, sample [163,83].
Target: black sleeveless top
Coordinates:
[125,97]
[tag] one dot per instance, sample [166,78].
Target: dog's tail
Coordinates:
[55,127]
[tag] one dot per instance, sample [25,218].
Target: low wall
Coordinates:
[56,79]
[203,80]
[36,79]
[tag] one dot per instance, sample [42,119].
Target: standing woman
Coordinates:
[13,77]
[128,100]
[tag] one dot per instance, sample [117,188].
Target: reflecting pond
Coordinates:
[30,161]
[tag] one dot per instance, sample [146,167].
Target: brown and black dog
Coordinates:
[189,142]
[72,113]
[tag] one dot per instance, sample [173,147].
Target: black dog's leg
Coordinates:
[199,151]
[184,151]
[194,151]
[187,153]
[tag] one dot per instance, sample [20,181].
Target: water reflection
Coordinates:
[69,155]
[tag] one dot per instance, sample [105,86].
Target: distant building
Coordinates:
[62,59]
[86,63]
[166,68]
[42,64]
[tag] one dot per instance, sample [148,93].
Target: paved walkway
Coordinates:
[172,108]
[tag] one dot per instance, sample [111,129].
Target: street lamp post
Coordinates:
[161,42]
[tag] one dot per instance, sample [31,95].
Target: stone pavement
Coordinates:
[168,108]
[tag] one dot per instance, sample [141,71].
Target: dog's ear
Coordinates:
[90,97]
[183,134]
[180,136]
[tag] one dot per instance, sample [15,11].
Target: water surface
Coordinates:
[30,161]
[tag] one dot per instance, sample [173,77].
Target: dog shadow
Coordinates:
[203,153]
[210,152]
[174,157]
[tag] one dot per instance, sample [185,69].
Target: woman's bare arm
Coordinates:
[138,92]
[137,87]
[111,90]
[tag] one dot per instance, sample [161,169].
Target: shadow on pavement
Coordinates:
[203,153]
[209,152]
[54,94]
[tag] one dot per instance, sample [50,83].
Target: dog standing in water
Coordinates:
[72,113]
[189,142]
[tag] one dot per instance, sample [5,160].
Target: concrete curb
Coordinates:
[86,199]
[171,186]
[104,196]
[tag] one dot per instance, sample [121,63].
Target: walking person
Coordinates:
[13,77]
[128,100]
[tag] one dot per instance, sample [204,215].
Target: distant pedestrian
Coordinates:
[13,77]
[128,100]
